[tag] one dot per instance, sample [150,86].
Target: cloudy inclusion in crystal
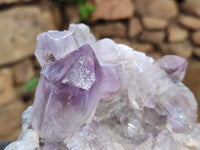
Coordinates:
[79,75]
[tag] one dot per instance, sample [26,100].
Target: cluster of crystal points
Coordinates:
[99,95]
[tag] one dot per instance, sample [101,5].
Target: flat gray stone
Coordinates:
[192,7]
[183,49]
[116,29]
[112,9]
[154,37]
[19,27]
[164,9]
[7,92]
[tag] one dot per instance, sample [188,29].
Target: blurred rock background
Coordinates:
[156,27]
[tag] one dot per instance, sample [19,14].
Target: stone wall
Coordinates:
[156,27]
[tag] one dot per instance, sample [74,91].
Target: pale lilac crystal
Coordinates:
[181,107]
[191,140]
[175,66]
[99,95]
[166,141]
[53,45]
[122,123]
[81,34]
[111,82]
[156,116]
[89,137]
[54,146]
[154,83]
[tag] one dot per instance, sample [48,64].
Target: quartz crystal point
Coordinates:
[72,89]
[53,45]
[100,95]
[175,66]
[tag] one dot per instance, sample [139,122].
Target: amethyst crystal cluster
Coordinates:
[99,95]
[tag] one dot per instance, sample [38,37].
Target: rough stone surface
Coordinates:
[13,135]
[23,72]
[109,30]
[154,23]
[155,37]
[143,47]
[157,8]
[112,9]
[192,6]
[13,1]
[190,22]
[192,79]
[134,27]
[10,117]
[197,51]
[183,49]
[72,13]
[177,34]
[22,24]
[7,92]
[155,55]
[196,37]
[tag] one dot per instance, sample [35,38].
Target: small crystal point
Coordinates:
[175,66]
[53,45]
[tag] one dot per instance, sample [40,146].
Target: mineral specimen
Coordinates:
[99,95]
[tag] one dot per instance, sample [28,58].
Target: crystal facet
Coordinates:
[175,66]
[99,95]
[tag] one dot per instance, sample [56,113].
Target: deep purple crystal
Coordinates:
[68,92]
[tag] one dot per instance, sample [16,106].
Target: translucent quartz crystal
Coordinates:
[166,141]
[146,77]
[175,66]
[52,46]
[89,137]
[74,90]
[54,146]
[99,95]
[180,118]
